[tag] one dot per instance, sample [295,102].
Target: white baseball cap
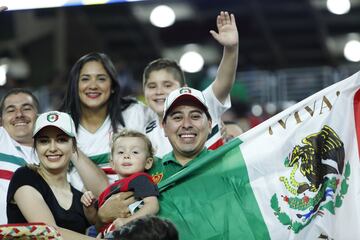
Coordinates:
[57,119]
[183,95]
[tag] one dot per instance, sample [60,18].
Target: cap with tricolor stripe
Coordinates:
[184,96]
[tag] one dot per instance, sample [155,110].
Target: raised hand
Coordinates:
[227,34]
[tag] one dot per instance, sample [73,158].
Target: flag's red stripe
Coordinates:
[4,174]
[216,144]
[357,117]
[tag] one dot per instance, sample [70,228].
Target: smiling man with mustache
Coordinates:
[187,124]
[19,108]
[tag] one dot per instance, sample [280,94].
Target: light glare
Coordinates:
[3,71]
[352,51]
[270,108]
[338,7]
[93,2]
[20,4]
[162,16]
[256,110]
[191,62]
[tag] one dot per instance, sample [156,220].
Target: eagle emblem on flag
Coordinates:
[317,169]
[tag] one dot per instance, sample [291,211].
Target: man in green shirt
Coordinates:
[187,124]
[205,193]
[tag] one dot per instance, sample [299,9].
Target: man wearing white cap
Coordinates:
[187,124]
[163,76]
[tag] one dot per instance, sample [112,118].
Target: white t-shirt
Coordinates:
[161,143]
[12,156]
[97,145]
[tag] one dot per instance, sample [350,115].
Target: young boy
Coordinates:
[131,155]
[163,76]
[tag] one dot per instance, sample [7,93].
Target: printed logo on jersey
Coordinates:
[157,177]
[52,117]
[151,126]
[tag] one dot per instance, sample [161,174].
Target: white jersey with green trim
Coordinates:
[161,143]
[12,156]
[97,145]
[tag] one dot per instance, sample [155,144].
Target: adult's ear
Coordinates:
[209,124]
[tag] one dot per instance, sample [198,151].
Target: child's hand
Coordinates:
[227,31]
[87,198]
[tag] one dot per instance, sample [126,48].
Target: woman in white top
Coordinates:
[94,101]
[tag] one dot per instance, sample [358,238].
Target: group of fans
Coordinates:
[93,162]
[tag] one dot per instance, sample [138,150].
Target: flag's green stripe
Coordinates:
[214,199]
[247,199]
[198,164]
[12,159]
[100,159]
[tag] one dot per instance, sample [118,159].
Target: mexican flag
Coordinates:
[295,176]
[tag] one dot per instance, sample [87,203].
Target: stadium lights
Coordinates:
[33,4]
[192,62]
[3,71]
[338,7]
[352,51]
[257,110]
[162,16]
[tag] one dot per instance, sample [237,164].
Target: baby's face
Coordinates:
[130,156]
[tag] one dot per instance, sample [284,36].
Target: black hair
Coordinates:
[116,103]
[147,228]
